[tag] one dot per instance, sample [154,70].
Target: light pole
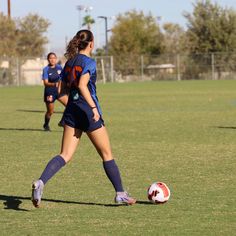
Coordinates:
[83,8]
[9,8]
[106,33]
[80,8]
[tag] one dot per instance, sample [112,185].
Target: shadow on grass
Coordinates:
[226,127]
[26,129]
[144,202]
[13,202]
[38,111]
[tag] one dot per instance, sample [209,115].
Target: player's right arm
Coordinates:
[45,79]
[50,84]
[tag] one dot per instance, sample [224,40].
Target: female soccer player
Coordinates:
[82,114]
[51,78]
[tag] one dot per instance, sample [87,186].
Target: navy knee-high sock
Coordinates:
[52,168]
[46,120]
[112,172]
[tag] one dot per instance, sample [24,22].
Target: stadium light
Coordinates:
[106,33]
[83,8]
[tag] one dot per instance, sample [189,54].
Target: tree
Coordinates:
[23,37]
[134,34]
[31,31]
[8,37]
[174,38]
[88,21]
[211,28]
[20,38]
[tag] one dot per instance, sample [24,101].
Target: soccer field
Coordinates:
[182,133]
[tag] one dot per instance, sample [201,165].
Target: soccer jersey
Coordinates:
[74,68]
[78,114]
[53,75]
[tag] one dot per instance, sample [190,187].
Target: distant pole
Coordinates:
[178,67]
[9,8]
[213,66]
[106,33]
[81,8]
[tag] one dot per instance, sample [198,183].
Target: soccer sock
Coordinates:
[46,120]
[113,174]
[52,168]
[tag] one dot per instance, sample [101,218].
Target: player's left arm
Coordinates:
[83,88]
[62,87]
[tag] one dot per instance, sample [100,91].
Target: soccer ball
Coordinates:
[158,192]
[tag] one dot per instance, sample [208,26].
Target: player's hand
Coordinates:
[96,115]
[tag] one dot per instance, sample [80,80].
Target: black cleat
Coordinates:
[46,127]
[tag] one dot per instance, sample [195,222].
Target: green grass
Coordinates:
[181,133]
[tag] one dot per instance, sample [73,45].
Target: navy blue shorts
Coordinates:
[80,116]
[50,96]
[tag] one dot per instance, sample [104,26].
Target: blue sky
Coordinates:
[65,18]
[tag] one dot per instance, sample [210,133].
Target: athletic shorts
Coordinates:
[80,116]
[51,95]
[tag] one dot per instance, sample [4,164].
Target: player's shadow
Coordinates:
[13,202]
[21,129]
[226,127]
[38,111]
[144,202]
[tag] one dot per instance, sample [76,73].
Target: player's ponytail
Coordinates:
[79,42]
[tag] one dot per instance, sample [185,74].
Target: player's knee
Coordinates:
[66,156]
[50,112]
[106,155]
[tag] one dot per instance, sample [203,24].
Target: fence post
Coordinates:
[112,74]
[18,72]
[213,66]
[141,67]
[103,71]
[178,67]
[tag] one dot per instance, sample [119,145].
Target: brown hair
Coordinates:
[79,42]
[51,53]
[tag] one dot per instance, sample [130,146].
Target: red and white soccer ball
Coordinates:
[158,192]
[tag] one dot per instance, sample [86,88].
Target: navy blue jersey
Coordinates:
[78,114]
[74,68]
[53,75]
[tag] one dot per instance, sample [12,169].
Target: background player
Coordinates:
[52,82]
[82,114]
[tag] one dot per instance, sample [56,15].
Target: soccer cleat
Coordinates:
[37,192]
[124,198]
[46,127]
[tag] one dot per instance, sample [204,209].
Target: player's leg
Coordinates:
[63,100]
[48,114]
[70,141]
[100,140]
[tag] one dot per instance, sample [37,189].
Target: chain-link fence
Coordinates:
[122,68]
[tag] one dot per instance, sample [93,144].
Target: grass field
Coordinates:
[181,133]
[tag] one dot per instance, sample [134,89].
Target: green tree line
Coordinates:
[211,28]
[23,37]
